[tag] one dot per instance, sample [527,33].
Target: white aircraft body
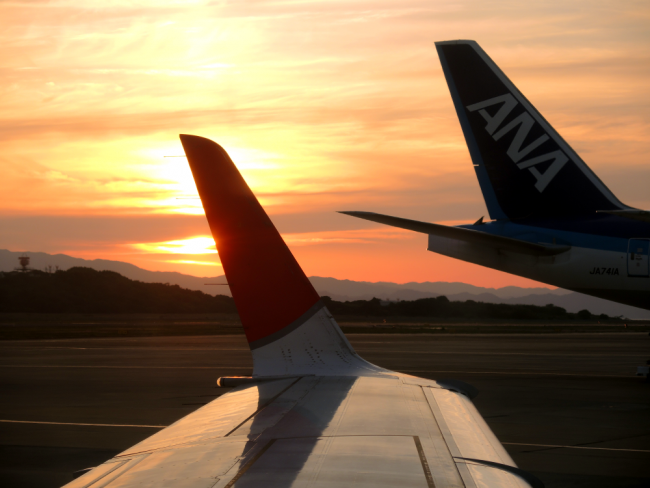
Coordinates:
[314,413]
[554,220]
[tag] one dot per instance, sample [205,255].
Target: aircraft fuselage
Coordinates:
[608,257]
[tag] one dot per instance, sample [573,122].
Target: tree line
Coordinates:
[85,290]
[442,307]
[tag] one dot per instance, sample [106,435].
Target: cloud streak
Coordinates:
[324,106]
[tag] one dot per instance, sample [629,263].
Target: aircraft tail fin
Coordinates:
[288,327]
[524,167]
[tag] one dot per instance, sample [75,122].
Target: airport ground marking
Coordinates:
[574,447]
[164,426]
[532,373]
[479,353]
[74,423]
[358,349]
[144,348]
[248,368]
[118,367]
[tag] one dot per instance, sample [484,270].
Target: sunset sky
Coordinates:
[323,106]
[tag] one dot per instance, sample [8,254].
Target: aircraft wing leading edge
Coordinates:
[314,413]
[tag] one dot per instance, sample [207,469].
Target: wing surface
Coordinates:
[326,431]
[314,413]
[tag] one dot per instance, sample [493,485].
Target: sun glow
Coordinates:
[317,116]
[192,245]
[166,163]
[189,261]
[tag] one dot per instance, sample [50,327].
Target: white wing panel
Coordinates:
[486,476]
[217,418]
[357,461]
[276,410]
[470,432]
[362,417]
[102,474]
[469,438]
[197,466]
[318,413]
[319,432]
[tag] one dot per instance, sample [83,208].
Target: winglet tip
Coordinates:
[188,139]
[455,41]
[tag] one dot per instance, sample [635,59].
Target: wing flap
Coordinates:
[466,235]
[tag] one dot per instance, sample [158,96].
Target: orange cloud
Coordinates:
[357,236]
[323,106]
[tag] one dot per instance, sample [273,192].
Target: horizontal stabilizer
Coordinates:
[642,215]
[466,235]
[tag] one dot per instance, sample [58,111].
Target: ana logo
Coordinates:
[523,123]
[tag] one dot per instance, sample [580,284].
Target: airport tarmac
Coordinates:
[567,407]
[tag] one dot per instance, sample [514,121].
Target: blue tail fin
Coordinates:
[524,167]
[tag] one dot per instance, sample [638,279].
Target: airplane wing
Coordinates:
[314,413]
[464,235]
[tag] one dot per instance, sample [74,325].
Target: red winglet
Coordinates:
[269,288]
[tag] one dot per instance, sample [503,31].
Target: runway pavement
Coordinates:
[567,407]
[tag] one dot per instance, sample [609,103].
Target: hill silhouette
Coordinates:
[346,290]
[442,307]
[85,290]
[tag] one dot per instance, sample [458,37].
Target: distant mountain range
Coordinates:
[343,290]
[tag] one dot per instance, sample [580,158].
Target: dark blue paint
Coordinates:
[600,231]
